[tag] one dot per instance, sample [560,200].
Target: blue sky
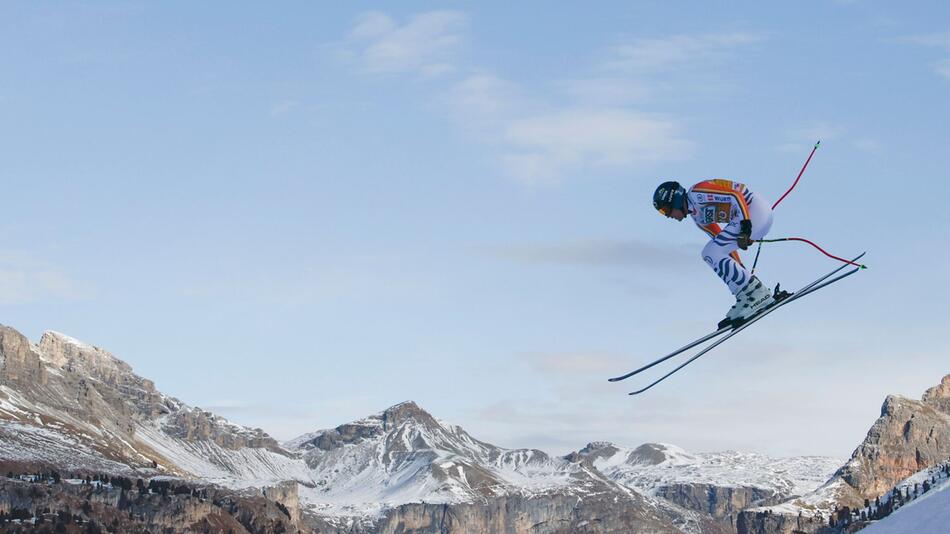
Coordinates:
[298,216]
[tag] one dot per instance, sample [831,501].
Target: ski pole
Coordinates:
[797,178]
[814,245]
[799,175]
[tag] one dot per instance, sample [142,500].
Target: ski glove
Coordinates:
[745,234]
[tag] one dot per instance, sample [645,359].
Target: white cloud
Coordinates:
[938,40]
[573,364]
[24,279]
[803,137]
[540,142]
[424,45]
[539,137]
[607,91]
[623,253]
[283,107]
[943,68]
[544,146]
[867,144]
[601,124]
[654,54]
[485,99]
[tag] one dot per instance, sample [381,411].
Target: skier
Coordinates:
[745,217]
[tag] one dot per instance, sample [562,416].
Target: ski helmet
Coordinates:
[669,196]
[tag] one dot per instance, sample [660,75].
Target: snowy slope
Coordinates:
[928,514]
[240,468]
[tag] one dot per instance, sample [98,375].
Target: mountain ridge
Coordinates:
[72,405]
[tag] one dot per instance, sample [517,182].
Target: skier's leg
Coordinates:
[716,254]
[719,253]
[751,294]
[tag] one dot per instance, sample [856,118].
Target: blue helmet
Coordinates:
[669,196]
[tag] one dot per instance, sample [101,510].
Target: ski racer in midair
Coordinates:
[734,217]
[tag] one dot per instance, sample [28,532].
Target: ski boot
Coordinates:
[751,299]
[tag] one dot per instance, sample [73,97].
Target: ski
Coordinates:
[681,350]
[722,330]
[810,288]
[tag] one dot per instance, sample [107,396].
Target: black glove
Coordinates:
[745,234]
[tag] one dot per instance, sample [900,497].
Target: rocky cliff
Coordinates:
[909,436]
[719,501]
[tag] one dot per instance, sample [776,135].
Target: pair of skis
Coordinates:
[821,282]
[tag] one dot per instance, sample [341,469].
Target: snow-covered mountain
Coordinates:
[405,455]
[71,406]
[74,406]
[717,483]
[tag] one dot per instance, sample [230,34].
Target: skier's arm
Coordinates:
[745,234]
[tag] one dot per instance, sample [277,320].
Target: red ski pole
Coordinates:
[797,178]
[799,175]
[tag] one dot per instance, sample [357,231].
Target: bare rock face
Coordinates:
[909,436]
[20,363]
[718,501]
[287,495]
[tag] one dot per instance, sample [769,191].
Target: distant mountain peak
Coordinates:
[404,427]
[403,412]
